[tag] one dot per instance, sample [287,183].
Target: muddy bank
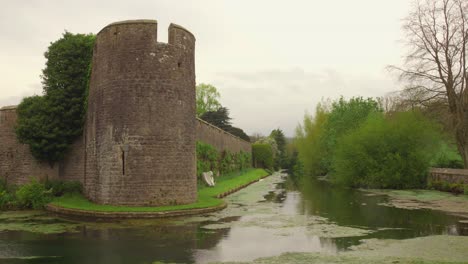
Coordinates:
[425,199]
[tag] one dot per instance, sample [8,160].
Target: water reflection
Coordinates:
[355,208]
[280,218]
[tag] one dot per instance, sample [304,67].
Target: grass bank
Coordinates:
[206,196]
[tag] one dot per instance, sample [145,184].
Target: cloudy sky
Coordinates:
[271,60]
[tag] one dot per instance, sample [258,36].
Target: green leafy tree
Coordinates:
[262,155]
[280,139]
[387,152]
[345,116]
[207,99]
[49,124]
[310,144]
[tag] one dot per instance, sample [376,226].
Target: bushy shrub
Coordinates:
[209,159]
[7,200]
[33,195]
[387,152]
[59,188]
[457,188]
[262,156]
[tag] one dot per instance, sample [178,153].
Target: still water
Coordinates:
[265,219]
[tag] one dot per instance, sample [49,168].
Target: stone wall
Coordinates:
[17,165]
[220,139]
[139,135]
[449,175]
[72,167]
[138,145]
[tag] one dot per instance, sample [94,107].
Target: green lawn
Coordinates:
[206,196]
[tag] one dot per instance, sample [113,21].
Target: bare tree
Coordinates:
[436,67]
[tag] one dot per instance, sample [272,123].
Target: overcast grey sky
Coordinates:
[271,60]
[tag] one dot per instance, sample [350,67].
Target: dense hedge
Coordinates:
[262,155]
[209,159]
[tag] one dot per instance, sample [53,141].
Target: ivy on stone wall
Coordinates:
[209,159]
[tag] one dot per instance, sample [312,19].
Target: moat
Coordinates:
[266,219]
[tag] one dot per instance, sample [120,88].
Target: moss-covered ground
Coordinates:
[206,196]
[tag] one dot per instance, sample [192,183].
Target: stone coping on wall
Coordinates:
[450,171]
[454,176]
[70,212]
[9,107]
[223,131]
[93,214]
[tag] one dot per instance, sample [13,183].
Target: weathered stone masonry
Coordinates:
[139,134]
[138,146]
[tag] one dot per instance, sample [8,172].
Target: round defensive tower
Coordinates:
[140,124]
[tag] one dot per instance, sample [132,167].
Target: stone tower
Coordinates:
[140,123]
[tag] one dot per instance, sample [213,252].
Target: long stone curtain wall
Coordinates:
[220,139]
[17,165]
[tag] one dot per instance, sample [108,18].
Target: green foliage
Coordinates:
[7,200]
[344,117]
[280,139]
[262,155]
[244,160]
[447,157]
[226,164]
[387,152]
[207,99]
[220,118]
[33,195]
[457,188]
[237,132]
[309,141]
[50,123]
[60,188]
[209,159]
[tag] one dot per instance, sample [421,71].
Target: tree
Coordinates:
[344,116]
[219,118]
[238,132]
[49,124]
[280,139]
[207,99]
[436,65]
[387,151]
